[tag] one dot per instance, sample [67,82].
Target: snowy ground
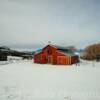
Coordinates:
[25,80]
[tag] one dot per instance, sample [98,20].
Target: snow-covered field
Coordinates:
[25,80]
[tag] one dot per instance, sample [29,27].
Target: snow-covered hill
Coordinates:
[25,80]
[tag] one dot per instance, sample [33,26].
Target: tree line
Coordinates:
[92,52]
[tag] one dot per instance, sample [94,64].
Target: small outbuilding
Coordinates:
[3,56]
[3,53]
[56,55]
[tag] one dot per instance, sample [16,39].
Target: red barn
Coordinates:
[56,55]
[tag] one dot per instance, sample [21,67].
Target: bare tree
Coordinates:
[92,52]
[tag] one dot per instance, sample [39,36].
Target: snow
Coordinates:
[25,80]
[9,58]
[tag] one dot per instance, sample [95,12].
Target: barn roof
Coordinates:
[69,50]
[72,48]
[69,53]
[38,51]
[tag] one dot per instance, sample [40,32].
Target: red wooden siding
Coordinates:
[50,55]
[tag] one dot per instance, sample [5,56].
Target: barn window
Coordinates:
[49,51]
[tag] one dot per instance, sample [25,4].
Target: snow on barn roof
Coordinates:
[69,50]
[69,53]
[72,48]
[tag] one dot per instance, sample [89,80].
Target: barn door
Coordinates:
[50,60]
[62,60]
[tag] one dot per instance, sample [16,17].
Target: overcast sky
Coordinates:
[32,23]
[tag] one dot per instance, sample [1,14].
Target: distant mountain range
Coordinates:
[6,51]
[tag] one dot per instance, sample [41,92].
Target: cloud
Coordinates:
[35,22]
